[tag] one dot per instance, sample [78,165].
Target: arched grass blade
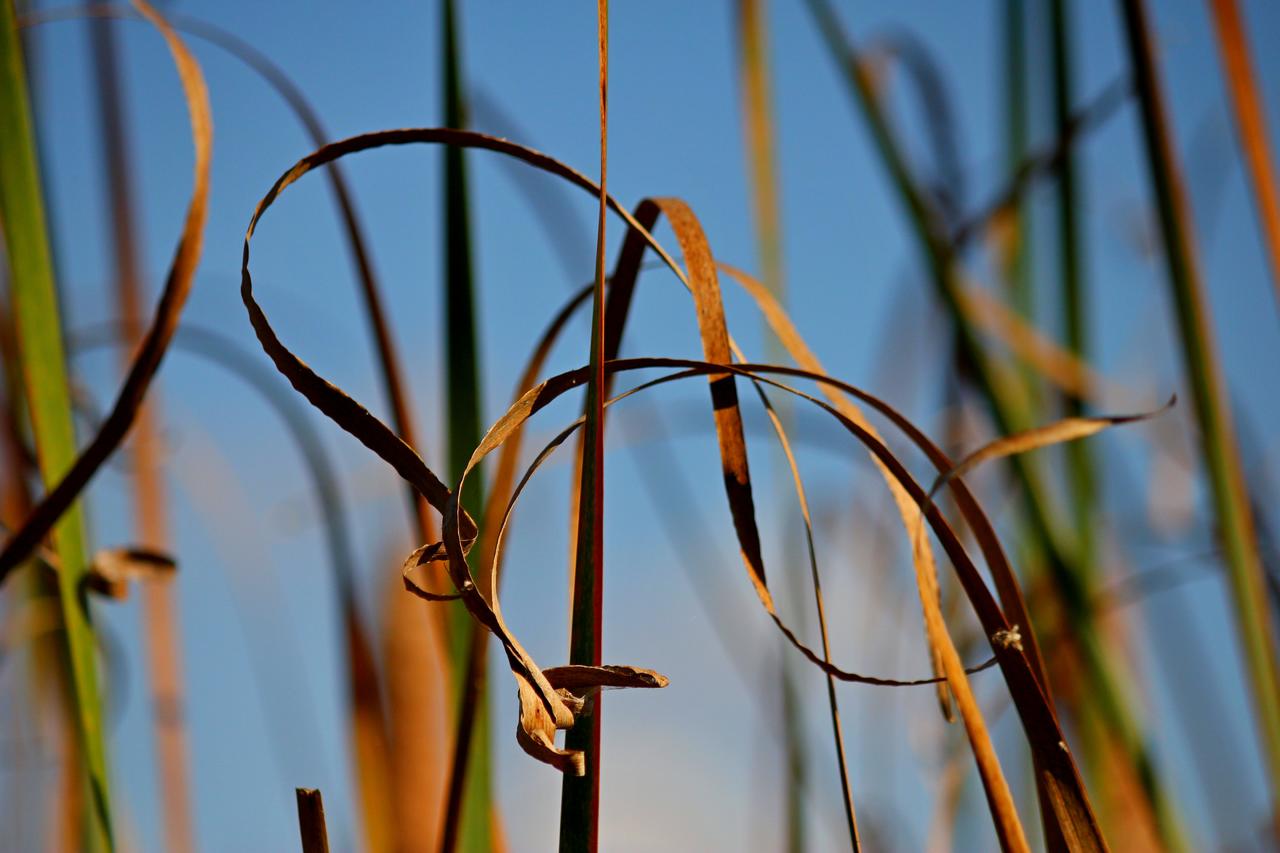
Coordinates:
[177,287]
[1058,432]
[1056,773]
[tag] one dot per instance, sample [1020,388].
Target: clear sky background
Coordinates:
[701,759]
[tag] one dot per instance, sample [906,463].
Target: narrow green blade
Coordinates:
[35,306]
[463,432]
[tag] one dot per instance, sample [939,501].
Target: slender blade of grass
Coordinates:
[761,156]
[580,795]
[1072,262]
[1009,410]
[49,670]
[177,288]
[410,772]
[753,72]
[1045,359]
[1062,431]
[837,731]
[1102,747]
[468,815]
[1017,258]
[1072,816]
[36,314]
[1217,436]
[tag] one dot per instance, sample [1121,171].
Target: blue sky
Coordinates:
[702,755]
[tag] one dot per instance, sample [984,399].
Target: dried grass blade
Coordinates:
[922,551]
[842,765]
[309,118]
[543,709]
[753,71]
[716,347]
[162,640]
[580,795]
[165,321]
[1058,432]
[1008,410]
[311,824]
[738,483]
[1051,361]
[1071,810]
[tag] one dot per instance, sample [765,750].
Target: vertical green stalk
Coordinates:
[1015,260]
[797,760]
[580,795]
[463,432]
[1071,259]
[36,313]
[1217,437]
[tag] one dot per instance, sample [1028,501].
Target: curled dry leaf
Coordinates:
[545,708]
[164,323]
[540,702]
[460,532]
[111,570]
[536,730]
[416,572]
[1025,673]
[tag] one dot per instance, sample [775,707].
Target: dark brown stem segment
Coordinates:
[580,795]
[315,838]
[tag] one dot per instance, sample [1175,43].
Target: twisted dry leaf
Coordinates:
[538,698]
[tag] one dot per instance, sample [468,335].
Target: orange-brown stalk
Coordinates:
[162,639]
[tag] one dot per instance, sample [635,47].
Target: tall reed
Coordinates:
[1219,452]
[469,813]
[580,795]
[162,638]
[36,313]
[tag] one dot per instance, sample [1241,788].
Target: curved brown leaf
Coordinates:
[1028,685]
[164,323]
[1058,432]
